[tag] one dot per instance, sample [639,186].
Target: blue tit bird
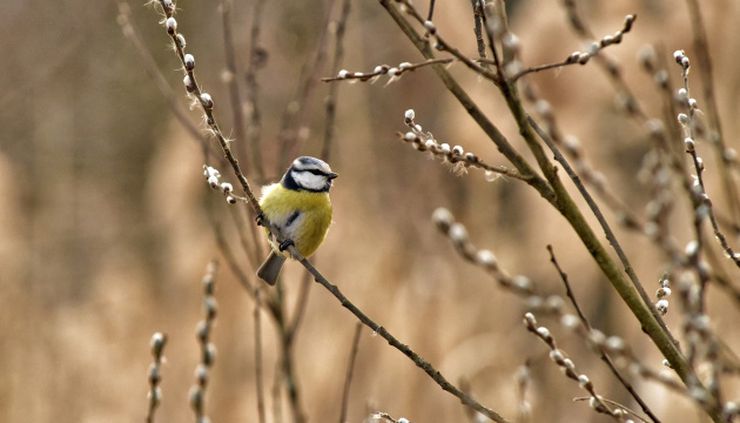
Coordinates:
[299,208]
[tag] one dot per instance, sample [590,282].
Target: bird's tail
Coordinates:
[270,269]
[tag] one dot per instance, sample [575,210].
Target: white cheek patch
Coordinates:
[309,181]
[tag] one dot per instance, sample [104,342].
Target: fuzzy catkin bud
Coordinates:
[529,319]
[159,340]
[458,233]
[206,100]
[662,306]
[188,82]
[544,332]
[485,258]
[189,61]
[429,26]
[442,218]
[556,355]
[180,39]
[409,115]
[171,25]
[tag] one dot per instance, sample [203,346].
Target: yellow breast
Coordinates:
[309,230]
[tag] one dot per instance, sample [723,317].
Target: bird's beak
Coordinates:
[332,176]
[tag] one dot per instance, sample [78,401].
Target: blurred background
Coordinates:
[104,234]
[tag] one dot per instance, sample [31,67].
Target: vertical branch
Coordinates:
[258,358]
[478,17]
[207,348]
[331,99]
[231,78]
[293,116]
[257,59]
[350,371]
[277,399]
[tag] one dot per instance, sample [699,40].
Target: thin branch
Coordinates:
[231,78]
[257,59]
[607,64]
[431,10]
[258,358]
[456,156]
[300,306]
[478,16]
[350,371]
[331,99]
[293,115]
[582,58]
[427,367]
[380,70]
[207,348]
[704,60]
[277,409]
[604,225]
[602,352]
[157,344]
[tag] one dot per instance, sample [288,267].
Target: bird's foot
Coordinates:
[261,220]
[286,244]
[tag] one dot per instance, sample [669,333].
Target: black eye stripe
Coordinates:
[312,171]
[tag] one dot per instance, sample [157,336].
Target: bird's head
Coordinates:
[309,174]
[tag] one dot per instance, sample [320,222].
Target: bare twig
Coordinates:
[394,342]
[293,115]
[300,306]
[230,76]
[331,98]
[257,59]
[259,377]
[478,16]
[350,371]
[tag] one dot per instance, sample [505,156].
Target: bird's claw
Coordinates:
[286,244]
[261,219]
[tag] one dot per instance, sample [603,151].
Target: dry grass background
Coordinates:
[103,234]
